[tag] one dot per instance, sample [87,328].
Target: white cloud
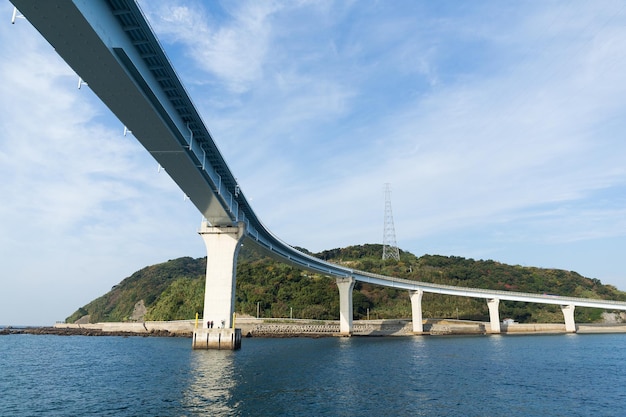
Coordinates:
[499,127]
[234,52]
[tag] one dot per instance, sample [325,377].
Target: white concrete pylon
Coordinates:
[494,315]
[568,314]
[345,285]
[222,245]
[416,309]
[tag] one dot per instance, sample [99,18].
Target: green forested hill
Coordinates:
[174,289]
[150,284]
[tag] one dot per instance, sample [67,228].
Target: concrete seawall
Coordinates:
[318,328]
[251,327]
[179,327]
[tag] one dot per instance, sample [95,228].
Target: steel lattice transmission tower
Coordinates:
[390,247]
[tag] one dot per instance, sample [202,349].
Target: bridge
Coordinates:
[112,48]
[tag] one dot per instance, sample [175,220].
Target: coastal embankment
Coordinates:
[252,327]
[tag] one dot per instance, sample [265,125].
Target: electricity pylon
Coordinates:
[390,247]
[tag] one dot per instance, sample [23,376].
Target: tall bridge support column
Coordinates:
[416,309]
[345,285]
[494,315]
[222,247]
[568,314]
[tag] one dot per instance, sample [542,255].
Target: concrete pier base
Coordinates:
[220,339]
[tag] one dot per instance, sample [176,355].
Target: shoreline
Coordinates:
[51,330]
[285,328]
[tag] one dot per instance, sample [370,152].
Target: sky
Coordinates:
[500,127]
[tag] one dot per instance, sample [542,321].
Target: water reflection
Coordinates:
[211,385]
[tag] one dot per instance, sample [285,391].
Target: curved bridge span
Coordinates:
[111,46]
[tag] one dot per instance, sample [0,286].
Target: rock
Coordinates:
[139,311]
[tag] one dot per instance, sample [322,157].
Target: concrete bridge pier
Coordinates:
[222,244]
[568,314]
[220,339]
[494,315]
[416,310]
[345,285]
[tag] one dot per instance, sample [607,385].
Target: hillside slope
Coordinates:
[174,289]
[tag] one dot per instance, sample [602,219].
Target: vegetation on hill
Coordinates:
[175,289]
[149,284]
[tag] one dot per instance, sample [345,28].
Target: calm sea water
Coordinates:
[557,375]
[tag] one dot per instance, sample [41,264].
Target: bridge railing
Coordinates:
[487,293]
[271,244]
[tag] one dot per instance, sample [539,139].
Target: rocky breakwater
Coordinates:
[82,331]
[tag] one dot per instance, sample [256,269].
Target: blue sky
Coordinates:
[499,125]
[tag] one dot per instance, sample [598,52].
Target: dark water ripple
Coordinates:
[558,375]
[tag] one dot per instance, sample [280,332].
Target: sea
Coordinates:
[497,375]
